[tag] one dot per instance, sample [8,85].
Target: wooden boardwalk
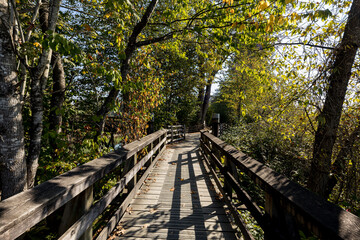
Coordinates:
[177,200]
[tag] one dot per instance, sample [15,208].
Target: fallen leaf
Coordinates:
[173,163]
[153,210]
[129,210]
[172,189]
[193,192]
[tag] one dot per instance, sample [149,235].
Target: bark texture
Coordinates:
[39,77]
[59,83]
[200,104]
[12,151]
[329,118]
[206,102]
[58,93]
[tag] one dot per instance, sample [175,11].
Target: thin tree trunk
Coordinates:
[206,102]
[200,103]
[12,150]
[328,120]
[38,81]
[58,94]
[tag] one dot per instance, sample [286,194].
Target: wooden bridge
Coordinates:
[190,189]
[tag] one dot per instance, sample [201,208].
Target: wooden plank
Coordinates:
[197,225]
[219,210]
[174,217]
[175,234]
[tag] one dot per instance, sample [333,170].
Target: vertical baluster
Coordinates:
[74,209]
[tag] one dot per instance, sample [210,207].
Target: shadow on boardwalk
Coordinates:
[177,200]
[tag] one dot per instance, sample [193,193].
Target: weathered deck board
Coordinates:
[177,200]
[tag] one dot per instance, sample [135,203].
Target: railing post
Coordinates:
[172,133]
[216,124]
[74,209]
[231,168]
[133,162]
[184,131]
[281,223]
[151,148]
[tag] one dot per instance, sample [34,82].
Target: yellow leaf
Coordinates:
[272,18]
[263,5]
[36,44]
[288,1]
[107,15]
[242,27]
[267,28]
[232,10]
[281,20]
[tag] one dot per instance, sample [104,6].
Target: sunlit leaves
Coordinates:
[263,5]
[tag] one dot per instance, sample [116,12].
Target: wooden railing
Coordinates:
[176,133]
[74,191]
[289,208]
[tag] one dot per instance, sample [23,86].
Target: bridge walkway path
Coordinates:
[177,200]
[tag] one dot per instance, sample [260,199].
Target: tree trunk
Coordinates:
[38,81]
[200,103]
[12,150]
[328,120]
[206,102]
[58,94]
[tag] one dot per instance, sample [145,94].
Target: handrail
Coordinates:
[176,132]
[289,207]
[24,210]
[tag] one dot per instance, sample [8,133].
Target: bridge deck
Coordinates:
[177,200]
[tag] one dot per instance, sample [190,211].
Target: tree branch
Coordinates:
[305,44]
[154,40]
